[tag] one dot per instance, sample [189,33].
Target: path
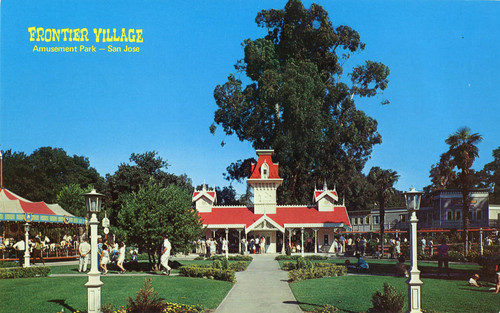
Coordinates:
[262,287]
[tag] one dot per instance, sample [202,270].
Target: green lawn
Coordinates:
[353,294]
[51,294]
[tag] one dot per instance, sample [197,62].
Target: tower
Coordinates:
[265,180]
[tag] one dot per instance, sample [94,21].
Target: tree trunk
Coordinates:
[465,213]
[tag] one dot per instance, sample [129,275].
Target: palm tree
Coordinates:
[463,151]
[382,182]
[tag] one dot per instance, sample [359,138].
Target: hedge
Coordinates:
[319,271]
[238,266]
[207,272]
[24,272]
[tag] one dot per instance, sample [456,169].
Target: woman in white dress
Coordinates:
[105,259]
[121,257]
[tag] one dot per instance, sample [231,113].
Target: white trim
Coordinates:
[313,225]
[224,226]
[260,220]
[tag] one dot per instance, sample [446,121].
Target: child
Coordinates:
[473,281]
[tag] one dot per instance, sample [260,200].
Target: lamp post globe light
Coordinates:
[93,202]
[412,200]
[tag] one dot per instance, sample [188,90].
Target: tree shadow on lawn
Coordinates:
[63,303]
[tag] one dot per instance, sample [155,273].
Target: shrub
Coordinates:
[287,257]
[225,263]
[9,264]
[316,257]
[207,272]
[217,264]
[238,266]
[326,309]
[146,300]
[303,263]
[108,308]
[456,256]
[199,258]
[390,301]
[288,265]
[24,272]
[319,271]
[240,258]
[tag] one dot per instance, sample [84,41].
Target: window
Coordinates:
[449,215]
[403,218]
[264,171]
[376,219]
[458,215]
[325,240]
[353,221]
[367,220]
[478,215]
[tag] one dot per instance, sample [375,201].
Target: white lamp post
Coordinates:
[412,199]
[26,245]
[93,201]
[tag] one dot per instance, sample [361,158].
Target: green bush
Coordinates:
[9,264]
[217,264]
[303,263]
[316,257]
[238,266]
[326,309]
[225,264]
[455,256]
[289,265]
[199,258]
[24,272]
[390,301]
[324,270]
[207,272]
[182,308]
[146,300]
[287,257]
[240,258]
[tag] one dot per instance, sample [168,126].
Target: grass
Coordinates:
[353,294]
[54,293]
[386,266]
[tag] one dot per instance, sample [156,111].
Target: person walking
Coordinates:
[121,257]
[431,247]
[443,249]
[165,255]
[84,251]
[104,258]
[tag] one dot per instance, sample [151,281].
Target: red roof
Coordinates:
[273,167]
[230,215]
[28,206]
[309,215]
[284,215]
[211,193]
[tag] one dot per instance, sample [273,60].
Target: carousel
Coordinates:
[47,222]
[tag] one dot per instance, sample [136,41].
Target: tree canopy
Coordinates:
[491,176]
[298,100]
[156,210]
[41,175]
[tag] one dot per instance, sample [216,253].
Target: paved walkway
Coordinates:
[262,287]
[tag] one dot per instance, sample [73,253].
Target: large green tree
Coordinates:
[155,210]
[71,199]
[41,175]
[297,99]
[491,176]
[463,151]
[130,177]
[382,189]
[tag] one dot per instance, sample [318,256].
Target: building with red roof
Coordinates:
[277,223]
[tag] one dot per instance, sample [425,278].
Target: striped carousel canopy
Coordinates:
[14,208]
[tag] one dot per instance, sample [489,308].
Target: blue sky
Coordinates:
[105,106]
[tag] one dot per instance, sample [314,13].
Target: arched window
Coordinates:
[264,171]
[458,215]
